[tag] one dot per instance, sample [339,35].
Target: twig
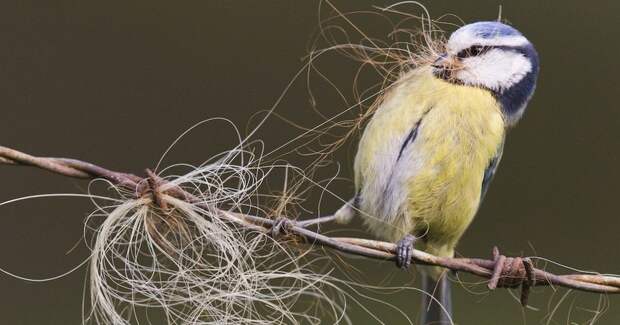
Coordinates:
[503,271]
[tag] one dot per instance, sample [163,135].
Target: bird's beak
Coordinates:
[441,62]
[445,65]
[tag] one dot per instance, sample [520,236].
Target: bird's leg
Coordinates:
[342,215]
[404,251]
[316,221]
[347,211]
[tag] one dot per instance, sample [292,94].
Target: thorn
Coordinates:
[153,181]
[530,281]
[499,260]
[281,223]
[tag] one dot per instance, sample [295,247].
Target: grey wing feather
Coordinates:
[490,171]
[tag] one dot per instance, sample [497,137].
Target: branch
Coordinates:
[509,272]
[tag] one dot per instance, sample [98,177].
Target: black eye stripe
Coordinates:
[474,50]
[481,49]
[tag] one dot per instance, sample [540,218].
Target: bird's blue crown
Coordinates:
[492,29]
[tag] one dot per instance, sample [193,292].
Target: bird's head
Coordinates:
[493,56]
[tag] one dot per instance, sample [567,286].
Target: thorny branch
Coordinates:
[509,272]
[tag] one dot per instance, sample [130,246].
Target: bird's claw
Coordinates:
[404,251]
[281,224]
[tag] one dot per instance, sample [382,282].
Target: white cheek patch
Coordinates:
[496,69]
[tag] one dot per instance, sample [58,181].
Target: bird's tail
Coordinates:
[436,301]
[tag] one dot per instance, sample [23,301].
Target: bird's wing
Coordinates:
[490,171]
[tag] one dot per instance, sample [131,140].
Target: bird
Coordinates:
[429,152]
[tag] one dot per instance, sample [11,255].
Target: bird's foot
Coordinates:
[404,251]
[280,225]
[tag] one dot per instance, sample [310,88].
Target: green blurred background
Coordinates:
[114,82]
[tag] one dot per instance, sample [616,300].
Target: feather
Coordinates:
[489,173]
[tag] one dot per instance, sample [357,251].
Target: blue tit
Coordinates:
[429,153]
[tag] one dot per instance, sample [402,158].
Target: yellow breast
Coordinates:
[434,184]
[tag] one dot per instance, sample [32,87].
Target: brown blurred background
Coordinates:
[114,82]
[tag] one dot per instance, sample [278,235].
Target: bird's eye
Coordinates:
[475,50]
